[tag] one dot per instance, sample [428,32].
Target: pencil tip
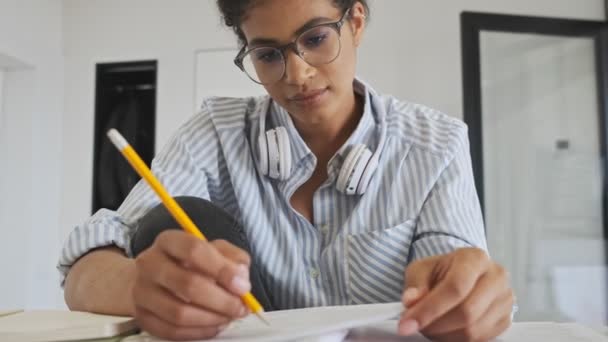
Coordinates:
[261,317]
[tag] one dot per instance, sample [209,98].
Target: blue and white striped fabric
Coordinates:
[421,201]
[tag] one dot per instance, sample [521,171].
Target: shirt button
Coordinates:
[314,273]
[324,229]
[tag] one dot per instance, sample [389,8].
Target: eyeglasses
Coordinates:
[317,45]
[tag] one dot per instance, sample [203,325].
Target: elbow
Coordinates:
[71,292]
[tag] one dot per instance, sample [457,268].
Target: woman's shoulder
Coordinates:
[424,127]
[231,108]
[218,114]
[226,112]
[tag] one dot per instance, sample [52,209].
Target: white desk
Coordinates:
[519,332]
[524,332]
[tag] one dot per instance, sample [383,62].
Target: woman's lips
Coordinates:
[309,99]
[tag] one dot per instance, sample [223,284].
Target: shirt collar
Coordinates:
[363,134]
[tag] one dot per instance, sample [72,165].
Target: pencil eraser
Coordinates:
[117,139]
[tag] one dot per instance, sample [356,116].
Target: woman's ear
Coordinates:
[358,20]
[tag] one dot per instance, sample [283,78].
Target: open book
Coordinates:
[55,325]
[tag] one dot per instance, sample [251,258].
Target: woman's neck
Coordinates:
[325,138]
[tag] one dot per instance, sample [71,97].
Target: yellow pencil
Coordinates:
[176,211]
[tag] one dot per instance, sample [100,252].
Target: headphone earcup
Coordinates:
[263,150]
[366,177]
[273,154]
[284,153]
[352,169]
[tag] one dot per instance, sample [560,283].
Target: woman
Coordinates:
[344,196]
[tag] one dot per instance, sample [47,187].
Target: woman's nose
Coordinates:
[297,70]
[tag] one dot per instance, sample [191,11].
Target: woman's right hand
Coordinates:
[188,289]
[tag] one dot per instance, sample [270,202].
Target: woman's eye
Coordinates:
[316,40]
[268,56]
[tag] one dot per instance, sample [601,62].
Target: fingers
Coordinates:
[491,324]
[156,326]
[495,330]
[232,252]
[201,290]
[419,273]
[172,311]
[236,282]
[224,262]
[486,325]
[188,289]
[490,286]
[459,280]
[187,249]
[214,284]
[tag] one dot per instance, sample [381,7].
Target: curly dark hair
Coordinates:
[234,12]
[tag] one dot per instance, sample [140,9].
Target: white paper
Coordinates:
[337,324]
[302,323]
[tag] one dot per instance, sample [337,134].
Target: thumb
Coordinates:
[420,273]
[413,295]
[418,278]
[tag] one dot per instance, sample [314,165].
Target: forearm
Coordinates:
[101,282]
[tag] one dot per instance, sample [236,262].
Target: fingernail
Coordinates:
[410,294]
[241,285]
[243,271]
[408,327]
[244,312]
[223,327]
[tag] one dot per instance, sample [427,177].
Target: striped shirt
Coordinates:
[420,202]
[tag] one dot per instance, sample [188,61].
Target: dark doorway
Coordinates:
[125,99]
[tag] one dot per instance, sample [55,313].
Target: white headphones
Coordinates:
[356,171]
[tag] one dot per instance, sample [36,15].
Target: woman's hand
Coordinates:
[461,296]
[188,289]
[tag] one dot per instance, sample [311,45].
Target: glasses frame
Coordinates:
[336,25]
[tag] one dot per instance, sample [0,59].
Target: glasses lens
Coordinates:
[319,45]
[264,65]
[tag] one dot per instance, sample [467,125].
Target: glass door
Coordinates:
[535,102]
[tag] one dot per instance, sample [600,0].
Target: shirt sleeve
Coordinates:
[451,216]
[176,169]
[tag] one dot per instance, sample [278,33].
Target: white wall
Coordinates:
[30,152]
[1,100]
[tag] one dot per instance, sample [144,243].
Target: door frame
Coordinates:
[472,23]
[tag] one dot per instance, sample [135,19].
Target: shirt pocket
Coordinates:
[375,263]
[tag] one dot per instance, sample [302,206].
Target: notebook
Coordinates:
[297,324]
[54,325]
[8,312]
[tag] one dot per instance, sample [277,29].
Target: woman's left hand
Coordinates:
[460,296]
